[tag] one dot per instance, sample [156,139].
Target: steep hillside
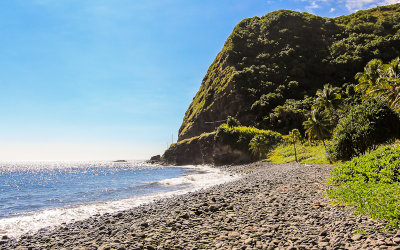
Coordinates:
[287,55]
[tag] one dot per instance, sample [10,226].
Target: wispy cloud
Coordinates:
[313,5]
[389,2]
[350,5]
[353,5]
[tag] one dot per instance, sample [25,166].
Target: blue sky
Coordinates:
[112,79]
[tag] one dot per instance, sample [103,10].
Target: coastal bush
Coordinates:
[382,165]
[240,137]
[290,115]
[366,126]
[371,183]
[232,122]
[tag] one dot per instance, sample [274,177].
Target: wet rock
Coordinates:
[144,224]
[185,216]
[213,209]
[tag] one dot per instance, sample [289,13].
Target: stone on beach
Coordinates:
[271,206]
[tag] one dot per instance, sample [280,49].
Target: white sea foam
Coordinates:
[202,177]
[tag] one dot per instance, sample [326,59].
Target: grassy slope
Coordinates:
[306,153]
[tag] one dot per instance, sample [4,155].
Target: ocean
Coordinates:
[34,195]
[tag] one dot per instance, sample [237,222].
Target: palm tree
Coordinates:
[329,98]
[370,77]
[392,73]
[382,80]
[258,146]
[317,126]
[393,68]
[294,136]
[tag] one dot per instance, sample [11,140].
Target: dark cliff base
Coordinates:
[204,149]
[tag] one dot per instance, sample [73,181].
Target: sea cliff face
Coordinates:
[205,150]
[227,145]
[287,55]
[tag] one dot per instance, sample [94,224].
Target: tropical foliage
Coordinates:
[240,137]
[317,126]
[367,125]
[232,122]
[313,152]
[259,146]
[293,137]
[371,183]
[381,80]
[329,99]
[290,115]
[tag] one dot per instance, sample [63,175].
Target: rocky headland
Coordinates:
[271,206]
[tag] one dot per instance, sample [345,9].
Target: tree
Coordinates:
[365,127]
[294,136]
[317,126]
[258,146]
[382,81]
[389,84]
[370,77]
[329,99]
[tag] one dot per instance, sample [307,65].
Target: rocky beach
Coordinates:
[271,206]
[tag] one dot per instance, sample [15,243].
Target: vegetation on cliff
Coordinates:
[241,138]
[287,55]
[228,145]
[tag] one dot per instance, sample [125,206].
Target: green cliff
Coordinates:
[287,55]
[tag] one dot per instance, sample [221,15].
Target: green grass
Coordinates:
[306,153]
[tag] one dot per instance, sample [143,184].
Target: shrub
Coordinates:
[240,137]
[232,122]
[366,126]
[258,146]
[382,165]
[371,183]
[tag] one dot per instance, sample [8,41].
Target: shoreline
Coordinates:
[270,206]
[191,179]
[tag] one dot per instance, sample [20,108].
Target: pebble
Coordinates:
[356,237]
[271,206]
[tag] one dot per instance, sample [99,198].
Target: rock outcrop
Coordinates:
[203,150]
